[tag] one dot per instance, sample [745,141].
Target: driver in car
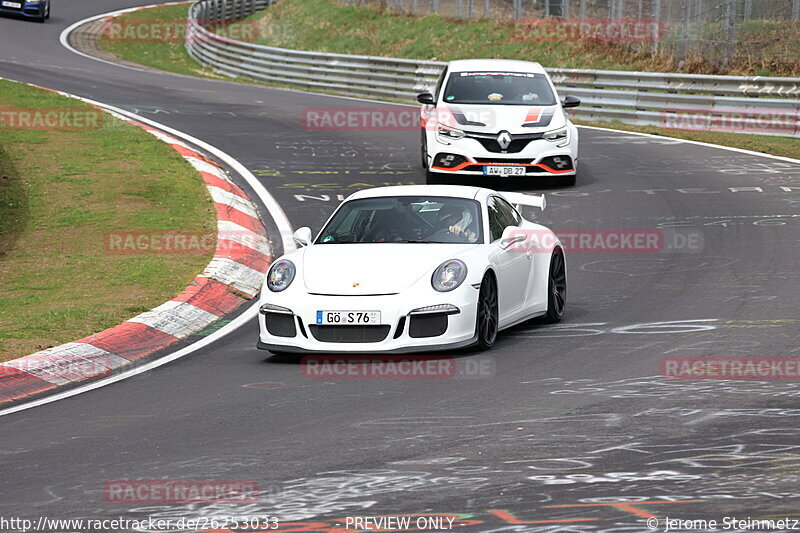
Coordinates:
[456,221]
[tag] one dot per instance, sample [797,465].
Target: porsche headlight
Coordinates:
[447,134]
[449,275]
[560,136]
[280,275]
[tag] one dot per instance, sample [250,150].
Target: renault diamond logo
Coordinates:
[504,140]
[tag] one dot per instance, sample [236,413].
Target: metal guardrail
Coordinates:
[763,105]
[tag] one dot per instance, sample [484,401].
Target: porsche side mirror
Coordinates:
[302,237]
[571,101]
[426,98]
[511,236]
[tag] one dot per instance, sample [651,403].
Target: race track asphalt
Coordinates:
[559,423]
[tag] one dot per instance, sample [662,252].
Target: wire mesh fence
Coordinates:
[757,32]
[744,104]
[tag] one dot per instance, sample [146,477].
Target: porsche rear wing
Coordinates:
[518,199]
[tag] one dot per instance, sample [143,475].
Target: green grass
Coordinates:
[169,56]
[61,192]
[328,26]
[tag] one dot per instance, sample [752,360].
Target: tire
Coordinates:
[556,288]
[435,178]
[568,181]
[423,148]
[486,317]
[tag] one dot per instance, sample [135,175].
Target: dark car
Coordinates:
[38,10]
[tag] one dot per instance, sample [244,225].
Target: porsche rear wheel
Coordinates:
[487,313]
[556,288]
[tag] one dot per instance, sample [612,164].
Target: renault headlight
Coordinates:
[449,275]
[280,275]
[560,136]
[447,134]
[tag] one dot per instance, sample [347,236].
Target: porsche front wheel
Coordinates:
[556,288]
[487,313]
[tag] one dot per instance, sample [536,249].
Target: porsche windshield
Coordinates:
[405,219]
[510,88]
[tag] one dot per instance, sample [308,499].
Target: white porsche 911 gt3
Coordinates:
[497,118]
[412,268]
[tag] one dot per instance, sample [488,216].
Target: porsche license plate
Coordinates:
[12,5]
[349,318]
[503,171]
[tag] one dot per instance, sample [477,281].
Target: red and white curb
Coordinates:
[233,277]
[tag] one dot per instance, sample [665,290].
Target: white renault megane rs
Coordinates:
[497,118]
[411,268]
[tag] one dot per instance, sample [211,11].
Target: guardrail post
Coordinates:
[565,9]
[435,6]
[657,19]
[795,9]
[486,8]
[582,10]
[730,30]
[685,31]
[748,9]
[470,7]
[459,8]
[517,9]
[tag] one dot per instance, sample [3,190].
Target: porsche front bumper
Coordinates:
[406,324]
